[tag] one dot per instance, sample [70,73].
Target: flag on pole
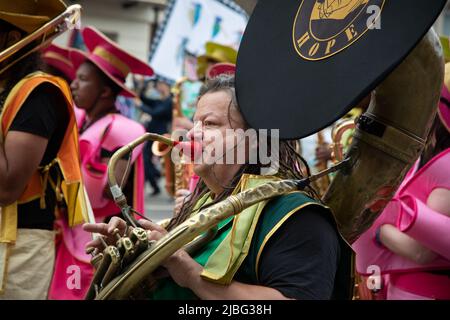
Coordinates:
[188,25]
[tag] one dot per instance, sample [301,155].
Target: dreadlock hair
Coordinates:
[291,163]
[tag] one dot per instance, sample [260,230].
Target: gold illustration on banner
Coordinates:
[322,28]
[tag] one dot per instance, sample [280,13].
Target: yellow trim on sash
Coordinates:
[8,223]
[275,228]
[236,244]
[5,249]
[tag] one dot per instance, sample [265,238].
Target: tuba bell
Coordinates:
[387,139]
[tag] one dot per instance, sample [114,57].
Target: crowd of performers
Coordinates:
[60,125]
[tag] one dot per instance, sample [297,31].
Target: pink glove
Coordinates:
[420,222]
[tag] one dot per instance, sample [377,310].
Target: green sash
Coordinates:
[236,239]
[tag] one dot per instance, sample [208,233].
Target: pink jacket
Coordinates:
[410,214]
[73,271]
[111,132]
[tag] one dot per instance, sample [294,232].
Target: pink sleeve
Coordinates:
[121,132]
[420,222]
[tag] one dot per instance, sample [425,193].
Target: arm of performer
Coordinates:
[421,233]
[405,246]
[20,155]
[186,272]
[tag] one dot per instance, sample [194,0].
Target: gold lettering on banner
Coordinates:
[330,45]
[303,39]
[314,49]
[351,33]
[323,28]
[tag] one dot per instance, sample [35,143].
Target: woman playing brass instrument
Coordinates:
[284,248]
[38,152]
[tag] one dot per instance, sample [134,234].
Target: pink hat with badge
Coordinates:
[109,58]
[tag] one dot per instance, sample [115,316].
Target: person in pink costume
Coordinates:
[408,246]
[100,78]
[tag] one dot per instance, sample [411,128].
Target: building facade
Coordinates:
[131,24]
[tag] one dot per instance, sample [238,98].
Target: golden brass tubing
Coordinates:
[116,191]
[140,240]
[103,261]
[404,106]
[337,133]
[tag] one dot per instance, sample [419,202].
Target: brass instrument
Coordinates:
[176,175]
[183,170]
[116,191]
[160,149]
[121,269]
[337,148]
[388,138]
[69,19]
[176,91]
[114,258]
[386,142]
[163,151]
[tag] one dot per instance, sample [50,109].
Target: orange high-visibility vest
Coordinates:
[69,186]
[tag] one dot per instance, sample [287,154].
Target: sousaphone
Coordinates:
[298,71]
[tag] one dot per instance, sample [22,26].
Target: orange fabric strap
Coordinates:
[67,156]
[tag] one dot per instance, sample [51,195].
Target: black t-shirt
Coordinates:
[43,114]
[305,258]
